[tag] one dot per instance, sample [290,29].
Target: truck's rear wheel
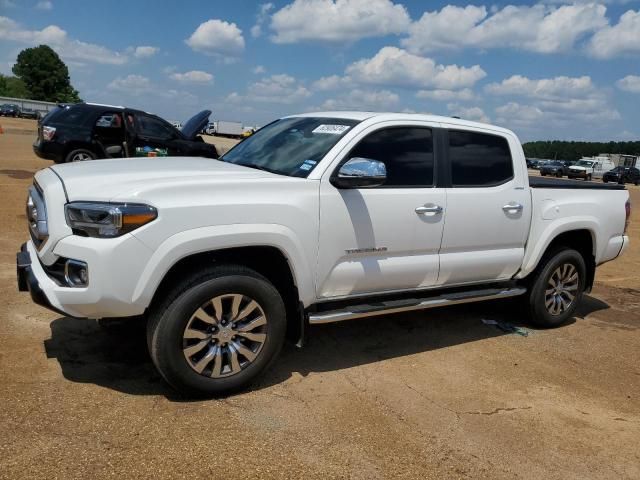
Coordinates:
[557,288]
[217,331]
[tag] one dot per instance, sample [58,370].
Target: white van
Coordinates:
[589,167]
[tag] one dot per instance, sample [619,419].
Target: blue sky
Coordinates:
[551,70]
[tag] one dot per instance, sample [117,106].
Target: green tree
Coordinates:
[45,75]
[13,87]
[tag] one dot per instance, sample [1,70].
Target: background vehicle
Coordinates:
[315,218]
[10,110]
[555,168]
[228,129]
[532,163]
[85,131]
[622,175]
[30,113]
[587,168]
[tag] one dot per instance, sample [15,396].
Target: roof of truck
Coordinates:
[383,116]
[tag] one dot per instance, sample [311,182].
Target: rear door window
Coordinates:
[479,159]
[69,116]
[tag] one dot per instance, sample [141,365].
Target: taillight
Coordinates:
[48,132]
[627,210]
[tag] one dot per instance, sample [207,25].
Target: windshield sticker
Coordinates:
[331,129]
[305,166]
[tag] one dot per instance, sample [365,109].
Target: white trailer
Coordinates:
[228,129]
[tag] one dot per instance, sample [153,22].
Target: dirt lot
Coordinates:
[436,394]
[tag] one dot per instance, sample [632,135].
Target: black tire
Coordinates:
[536,299]
[76,155]
[167,324]
[604,180]
[589,178]
[543,174]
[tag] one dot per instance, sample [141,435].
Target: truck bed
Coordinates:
[544,182]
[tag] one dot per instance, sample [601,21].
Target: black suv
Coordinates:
[86,131]
[622,175]
[10,110]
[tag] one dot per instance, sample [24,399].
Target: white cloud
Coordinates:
[258,69]
[468,113]
[545,88]
[621,38]
[217,37]
[630,83]
[145,51]
[57,38]
[44,5]
[363,100]
[338,20]
[131,83]
[442,95]
[194,76]
[332,82]
[515,113]
[539,28]
[261,18]
[393,66]
[552,103]
[282,89]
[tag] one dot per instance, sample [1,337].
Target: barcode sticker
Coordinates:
[331,129]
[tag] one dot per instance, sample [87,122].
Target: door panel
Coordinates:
[373,240]
[488,210]
[407,243]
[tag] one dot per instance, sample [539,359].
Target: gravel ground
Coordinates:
[433,394]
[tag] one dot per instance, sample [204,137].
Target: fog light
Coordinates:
[76,273]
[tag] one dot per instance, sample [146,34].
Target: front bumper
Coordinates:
[574,174]
[28,282]
[115,266]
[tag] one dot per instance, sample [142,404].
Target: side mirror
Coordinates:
[360,173]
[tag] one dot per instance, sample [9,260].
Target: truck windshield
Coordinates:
[584,163]
[290,146]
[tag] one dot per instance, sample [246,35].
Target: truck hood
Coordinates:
[103,180]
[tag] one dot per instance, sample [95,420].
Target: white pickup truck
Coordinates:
[315,218]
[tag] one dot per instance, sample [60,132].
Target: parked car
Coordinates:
[622,175]
[30,113]
[10,110]
[587,168]
[555,168]
[532,163]
[310,221]
[84,131]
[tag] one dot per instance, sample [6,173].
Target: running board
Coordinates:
[406,305]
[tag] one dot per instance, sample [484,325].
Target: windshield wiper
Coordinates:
[260,167]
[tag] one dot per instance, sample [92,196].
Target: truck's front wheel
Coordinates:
[557,288]
[217,331]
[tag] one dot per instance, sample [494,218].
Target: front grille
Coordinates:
[37,216]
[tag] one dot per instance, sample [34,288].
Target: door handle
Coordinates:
[429,208]
[513,207]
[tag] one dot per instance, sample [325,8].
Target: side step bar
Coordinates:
[406,305]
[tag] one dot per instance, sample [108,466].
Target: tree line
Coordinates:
[40,74]
[563,150]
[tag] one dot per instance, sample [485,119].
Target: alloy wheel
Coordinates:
[562,289]
[224,335]
[80,157]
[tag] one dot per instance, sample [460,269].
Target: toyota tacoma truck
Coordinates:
[315,218]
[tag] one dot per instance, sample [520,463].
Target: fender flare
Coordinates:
[210,239]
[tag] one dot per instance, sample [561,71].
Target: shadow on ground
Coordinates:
[116,357]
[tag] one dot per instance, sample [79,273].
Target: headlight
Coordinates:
[107,220]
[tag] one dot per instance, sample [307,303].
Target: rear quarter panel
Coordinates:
[556,211]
